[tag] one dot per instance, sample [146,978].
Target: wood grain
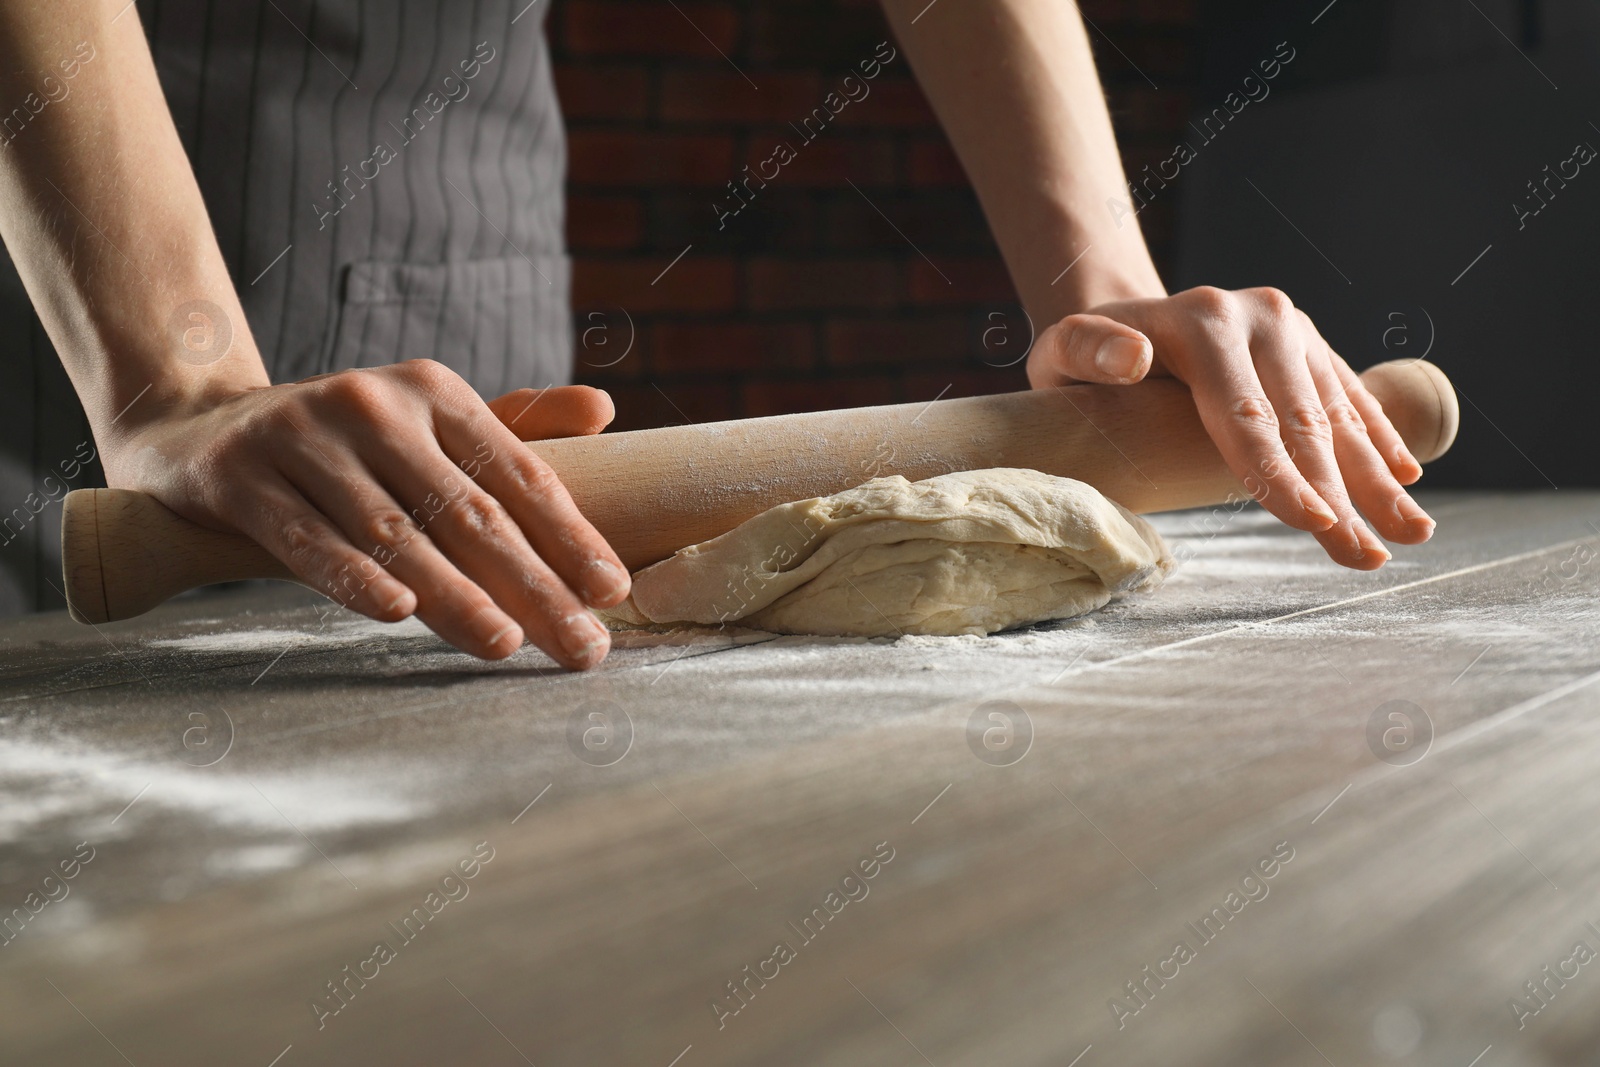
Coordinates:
[1177,739]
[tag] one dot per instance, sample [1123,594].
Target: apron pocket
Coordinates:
[499,323]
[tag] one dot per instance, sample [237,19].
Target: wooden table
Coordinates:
[268,788]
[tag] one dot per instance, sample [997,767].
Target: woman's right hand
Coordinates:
[397,491]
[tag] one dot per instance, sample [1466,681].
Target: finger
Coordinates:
[537,502]
[483,448]
[1385,438]
[1398,516]
[282,521]
[1090,348]
[1371,483]
[1280,351]
[482,539]
[1243,424]
[447,601]
[562,411]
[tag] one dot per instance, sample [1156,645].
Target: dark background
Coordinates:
[1387,157]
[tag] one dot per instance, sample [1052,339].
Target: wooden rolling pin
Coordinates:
[652,492]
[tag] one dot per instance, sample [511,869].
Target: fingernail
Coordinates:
[1120,357]
[605,581]
[494,638]
[1413,515]
[1411,511]
[1362,536]
[1403,456]
[1312,501]
[585,638]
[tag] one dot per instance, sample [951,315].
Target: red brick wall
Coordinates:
[808,298]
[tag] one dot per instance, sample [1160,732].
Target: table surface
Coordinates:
[269,787]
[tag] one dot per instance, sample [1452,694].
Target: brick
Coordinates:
[807,299]
[783,397]
[909,341]
[785,284]
[694,284]
[960,281]
[604,223]
[932,221]
[830,160]
[980,382]
[777,220]
[616,159]
[933,162]
[1002,336]
[608,344]
[810,33]
[671,403]
[893,104]
[611,91]
[691,348]
[715,95]
[649,28]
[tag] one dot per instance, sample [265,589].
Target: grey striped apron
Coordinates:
[385,180]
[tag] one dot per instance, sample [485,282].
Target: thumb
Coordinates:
[1089,348]
[561,411]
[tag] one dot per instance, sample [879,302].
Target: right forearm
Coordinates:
[102,215]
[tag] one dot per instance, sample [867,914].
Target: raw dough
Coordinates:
[966,553]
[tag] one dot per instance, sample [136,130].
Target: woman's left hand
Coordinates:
[1289,416]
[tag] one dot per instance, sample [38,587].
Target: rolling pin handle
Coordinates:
[123,552]
[82,567]
[1420,402]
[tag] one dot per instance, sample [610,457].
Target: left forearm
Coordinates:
[1014,84]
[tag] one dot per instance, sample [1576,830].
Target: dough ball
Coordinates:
[972,552]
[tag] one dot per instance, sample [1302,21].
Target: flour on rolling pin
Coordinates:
[972,552]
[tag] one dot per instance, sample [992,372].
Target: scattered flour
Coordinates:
[42,782]
[348,630]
